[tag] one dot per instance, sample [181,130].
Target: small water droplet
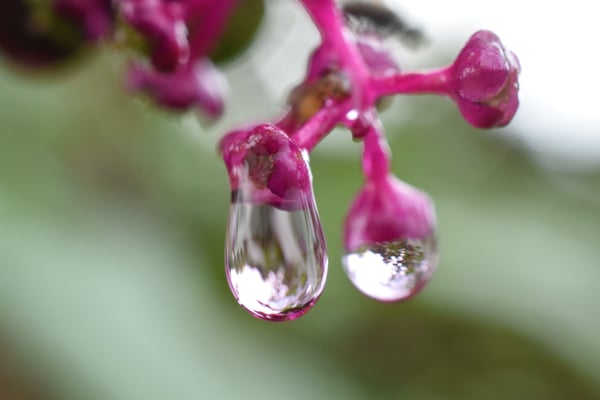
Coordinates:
[392,271]
[276,259]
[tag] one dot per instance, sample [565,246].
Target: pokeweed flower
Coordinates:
[266,166]
[484,81]
[199,84]
[181,34]
[162,23]
[390,240]
[275,252]
[276,257]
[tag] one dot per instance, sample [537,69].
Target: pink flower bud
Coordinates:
[390,240]
[484,80]
[388,210]
[162,22]
[266,166]
[200,84]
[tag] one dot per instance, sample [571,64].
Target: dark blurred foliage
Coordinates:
[240,31]
[34,42]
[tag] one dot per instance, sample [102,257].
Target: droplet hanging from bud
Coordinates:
[390,238]
[392,271]
[276,257]
[276,260]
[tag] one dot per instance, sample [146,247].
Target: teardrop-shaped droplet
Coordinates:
[392,271]
[276,258]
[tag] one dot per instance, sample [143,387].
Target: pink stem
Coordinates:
[319,125]
[335,36]
[328,20]
[376,153]
[287,123]
[432,82]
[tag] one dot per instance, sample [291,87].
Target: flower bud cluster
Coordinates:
[180,35]
[390,230]
[177,36]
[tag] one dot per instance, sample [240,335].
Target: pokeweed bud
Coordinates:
[199,84]
[276,257]
[390,240]
[267,167]
[484,81]
[162,23]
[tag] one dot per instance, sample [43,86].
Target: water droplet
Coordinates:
[276,259]
[392,271]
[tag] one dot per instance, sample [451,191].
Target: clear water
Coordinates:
[276,260]
[392,271]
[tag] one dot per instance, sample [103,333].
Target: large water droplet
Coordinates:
[276,260]
[392,271]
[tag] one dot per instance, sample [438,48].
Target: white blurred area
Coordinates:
[558,120]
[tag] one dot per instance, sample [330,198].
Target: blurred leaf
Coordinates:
[241,29]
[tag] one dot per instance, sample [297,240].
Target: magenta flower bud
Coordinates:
[388,210]
[200,84]
[484,81]
[267,167]
[390,240]
[163,24]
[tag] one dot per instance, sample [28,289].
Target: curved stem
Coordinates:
[336,37]
[376,153]
[319,125]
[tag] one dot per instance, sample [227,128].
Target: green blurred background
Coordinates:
[112,221]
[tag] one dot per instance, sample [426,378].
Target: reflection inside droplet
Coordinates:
[276,260]
[392,271]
